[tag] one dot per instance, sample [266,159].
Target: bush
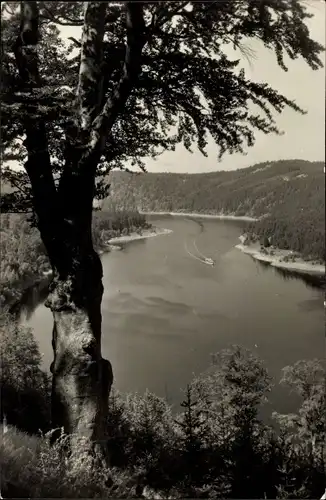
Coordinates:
[216,447]
[31,467]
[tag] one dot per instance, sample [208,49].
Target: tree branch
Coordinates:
[78,44]
[164,16]
[6,7]
[90,84]
[38,165]
[132,65]
[95,126]
[17,185]
[68,22]
[89,99]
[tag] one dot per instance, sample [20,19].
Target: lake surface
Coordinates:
[164,311]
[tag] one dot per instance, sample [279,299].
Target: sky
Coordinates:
[304,136]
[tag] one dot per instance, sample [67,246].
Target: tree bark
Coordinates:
[82,379]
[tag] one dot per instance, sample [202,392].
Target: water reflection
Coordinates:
[163,313]
[36,294]
[31,298]
[311,281]
[316,282]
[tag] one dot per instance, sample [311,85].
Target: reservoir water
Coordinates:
[165,312]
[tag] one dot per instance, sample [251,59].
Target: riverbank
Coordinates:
[113,244]
[282,259]
[11,301]
[147,233]
[24,262]
[204,216]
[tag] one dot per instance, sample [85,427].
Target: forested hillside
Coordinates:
[23,256]
[256,191]
[289,194]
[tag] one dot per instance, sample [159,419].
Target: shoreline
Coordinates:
[147,233]
[204,216]
[298,266]
[113,244]
[25,285]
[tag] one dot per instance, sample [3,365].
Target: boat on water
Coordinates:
[209,261]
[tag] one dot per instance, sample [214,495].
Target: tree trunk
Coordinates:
[81,377]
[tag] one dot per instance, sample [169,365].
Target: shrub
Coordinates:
[31,467]
[216,447]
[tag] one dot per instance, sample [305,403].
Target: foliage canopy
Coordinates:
[188,86]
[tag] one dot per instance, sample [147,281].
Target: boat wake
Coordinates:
[198,251]
[202,259]
[208,260]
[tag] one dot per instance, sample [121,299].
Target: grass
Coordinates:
[31,467]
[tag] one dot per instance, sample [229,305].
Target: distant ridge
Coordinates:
[288,194]
[253,191]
